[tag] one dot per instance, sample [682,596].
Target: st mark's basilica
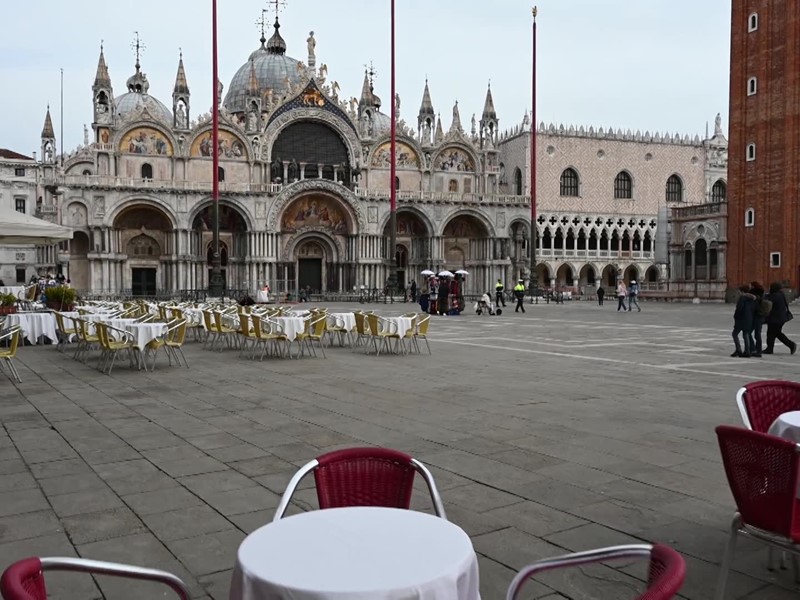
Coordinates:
[305,171]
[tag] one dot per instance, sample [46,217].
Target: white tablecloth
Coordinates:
[348,320]
[145,332]
[403,324]
[361,553]
[787,426]
[34,325]
[291,326]
[17,290]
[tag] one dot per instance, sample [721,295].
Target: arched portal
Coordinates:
[543,275]
[232,241]
[311,258]
[414,236]
[565,276]
[309,150]
[465,240]
[610,275]
[144,235]
[652,274]
[78,268]
[588,277]
[631,274]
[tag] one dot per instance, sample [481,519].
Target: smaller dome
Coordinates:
[381,123]
[132,101]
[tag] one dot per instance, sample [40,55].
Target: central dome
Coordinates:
[273,71]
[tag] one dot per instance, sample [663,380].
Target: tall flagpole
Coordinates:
[215,284]
[393,283]
[62,118]
[534,281]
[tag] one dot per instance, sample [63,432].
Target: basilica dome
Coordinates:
[137,97]
[273,71]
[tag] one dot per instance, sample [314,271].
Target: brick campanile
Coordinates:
[764,152]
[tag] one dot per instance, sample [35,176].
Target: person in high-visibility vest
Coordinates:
[519,294]
[498,293]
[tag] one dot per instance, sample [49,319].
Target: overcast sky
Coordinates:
[658,65]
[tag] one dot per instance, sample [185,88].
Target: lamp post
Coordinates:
[393,284]
[215,283]
[534,281]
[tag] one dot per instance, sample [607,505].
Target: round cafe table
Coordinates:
[787,426]
[400,325]
[291,326]
[358,553]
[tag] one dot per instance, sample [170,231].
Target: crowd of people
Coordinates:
[441,295]
[754,309]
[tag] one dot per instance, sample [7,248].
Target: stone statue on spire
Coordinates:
[312,45]
[718,125]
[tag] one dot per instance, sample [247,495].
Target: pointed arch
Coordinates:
[569,183]
[518,182]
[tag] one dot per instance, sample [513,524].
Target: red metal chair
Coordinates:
[363,477]
[24,580]
[665,578]
[763,472]
[761,402]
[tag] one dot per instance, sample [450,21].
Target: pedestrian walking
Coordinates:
[519,294]
[633,292]
[778,317]
[498,293]
[444,297]
[600,293]
[743,319]
[622,293]
[413,290]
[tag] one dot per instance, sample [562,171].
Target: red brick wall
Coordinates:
[771,120]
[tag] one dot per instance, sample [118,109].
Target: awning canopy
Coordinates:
[18,228]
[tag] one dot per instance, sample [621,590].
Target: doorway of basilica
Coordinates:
[310,259]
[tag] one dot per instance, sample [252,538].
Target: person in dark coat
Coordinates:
[444,300]
[778,316]
[762,311]
[413,290]
[743,320]
[600,293]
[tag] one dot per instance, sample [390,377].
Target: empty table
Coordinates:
[291,326]
[34,325]
[357,553]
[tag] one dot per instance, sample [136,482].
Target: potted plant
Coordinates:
[8,304]
[60,297]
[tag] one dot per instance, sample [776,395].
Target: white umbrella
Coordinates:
[462,272]
[445,274]
[427,272]
[18,228]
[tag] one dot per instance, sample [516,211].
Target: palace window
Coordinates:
[147,171]
[749,217]
[719,192]
[518,182]
[674,189]
[21,275]
[19,205]
[752,22]
[569,183]
[452,186]
[19,172]
[774,259]
[220,174]
[623,186]
[752,86]
[751,152]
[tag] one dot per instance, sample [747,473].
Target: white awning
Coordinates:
[18,228]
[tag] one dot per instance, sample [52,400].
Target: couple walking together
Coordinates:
[624,292]
[755,308]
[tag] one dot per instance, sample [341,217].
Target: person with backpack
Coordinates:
[743,317]
[633,292]
[763,308]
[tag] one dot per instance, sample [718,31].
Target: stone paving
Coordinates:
[566,428]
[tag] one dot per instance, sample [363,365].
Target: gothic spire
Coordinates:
[181,85]
[102,78]
[489,113]
[252,86]
[439,132]
[426,108]
[47,130]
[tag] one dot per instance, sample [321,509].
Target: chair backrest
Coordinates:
[319,326]
[102,333]
[374,324]
[364,477]
[16,334]
[244,325]
[763,474]
[761,402]
[667,570]
[24,579]
[361,327]
[207,321]
[177,335]
[422,325]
